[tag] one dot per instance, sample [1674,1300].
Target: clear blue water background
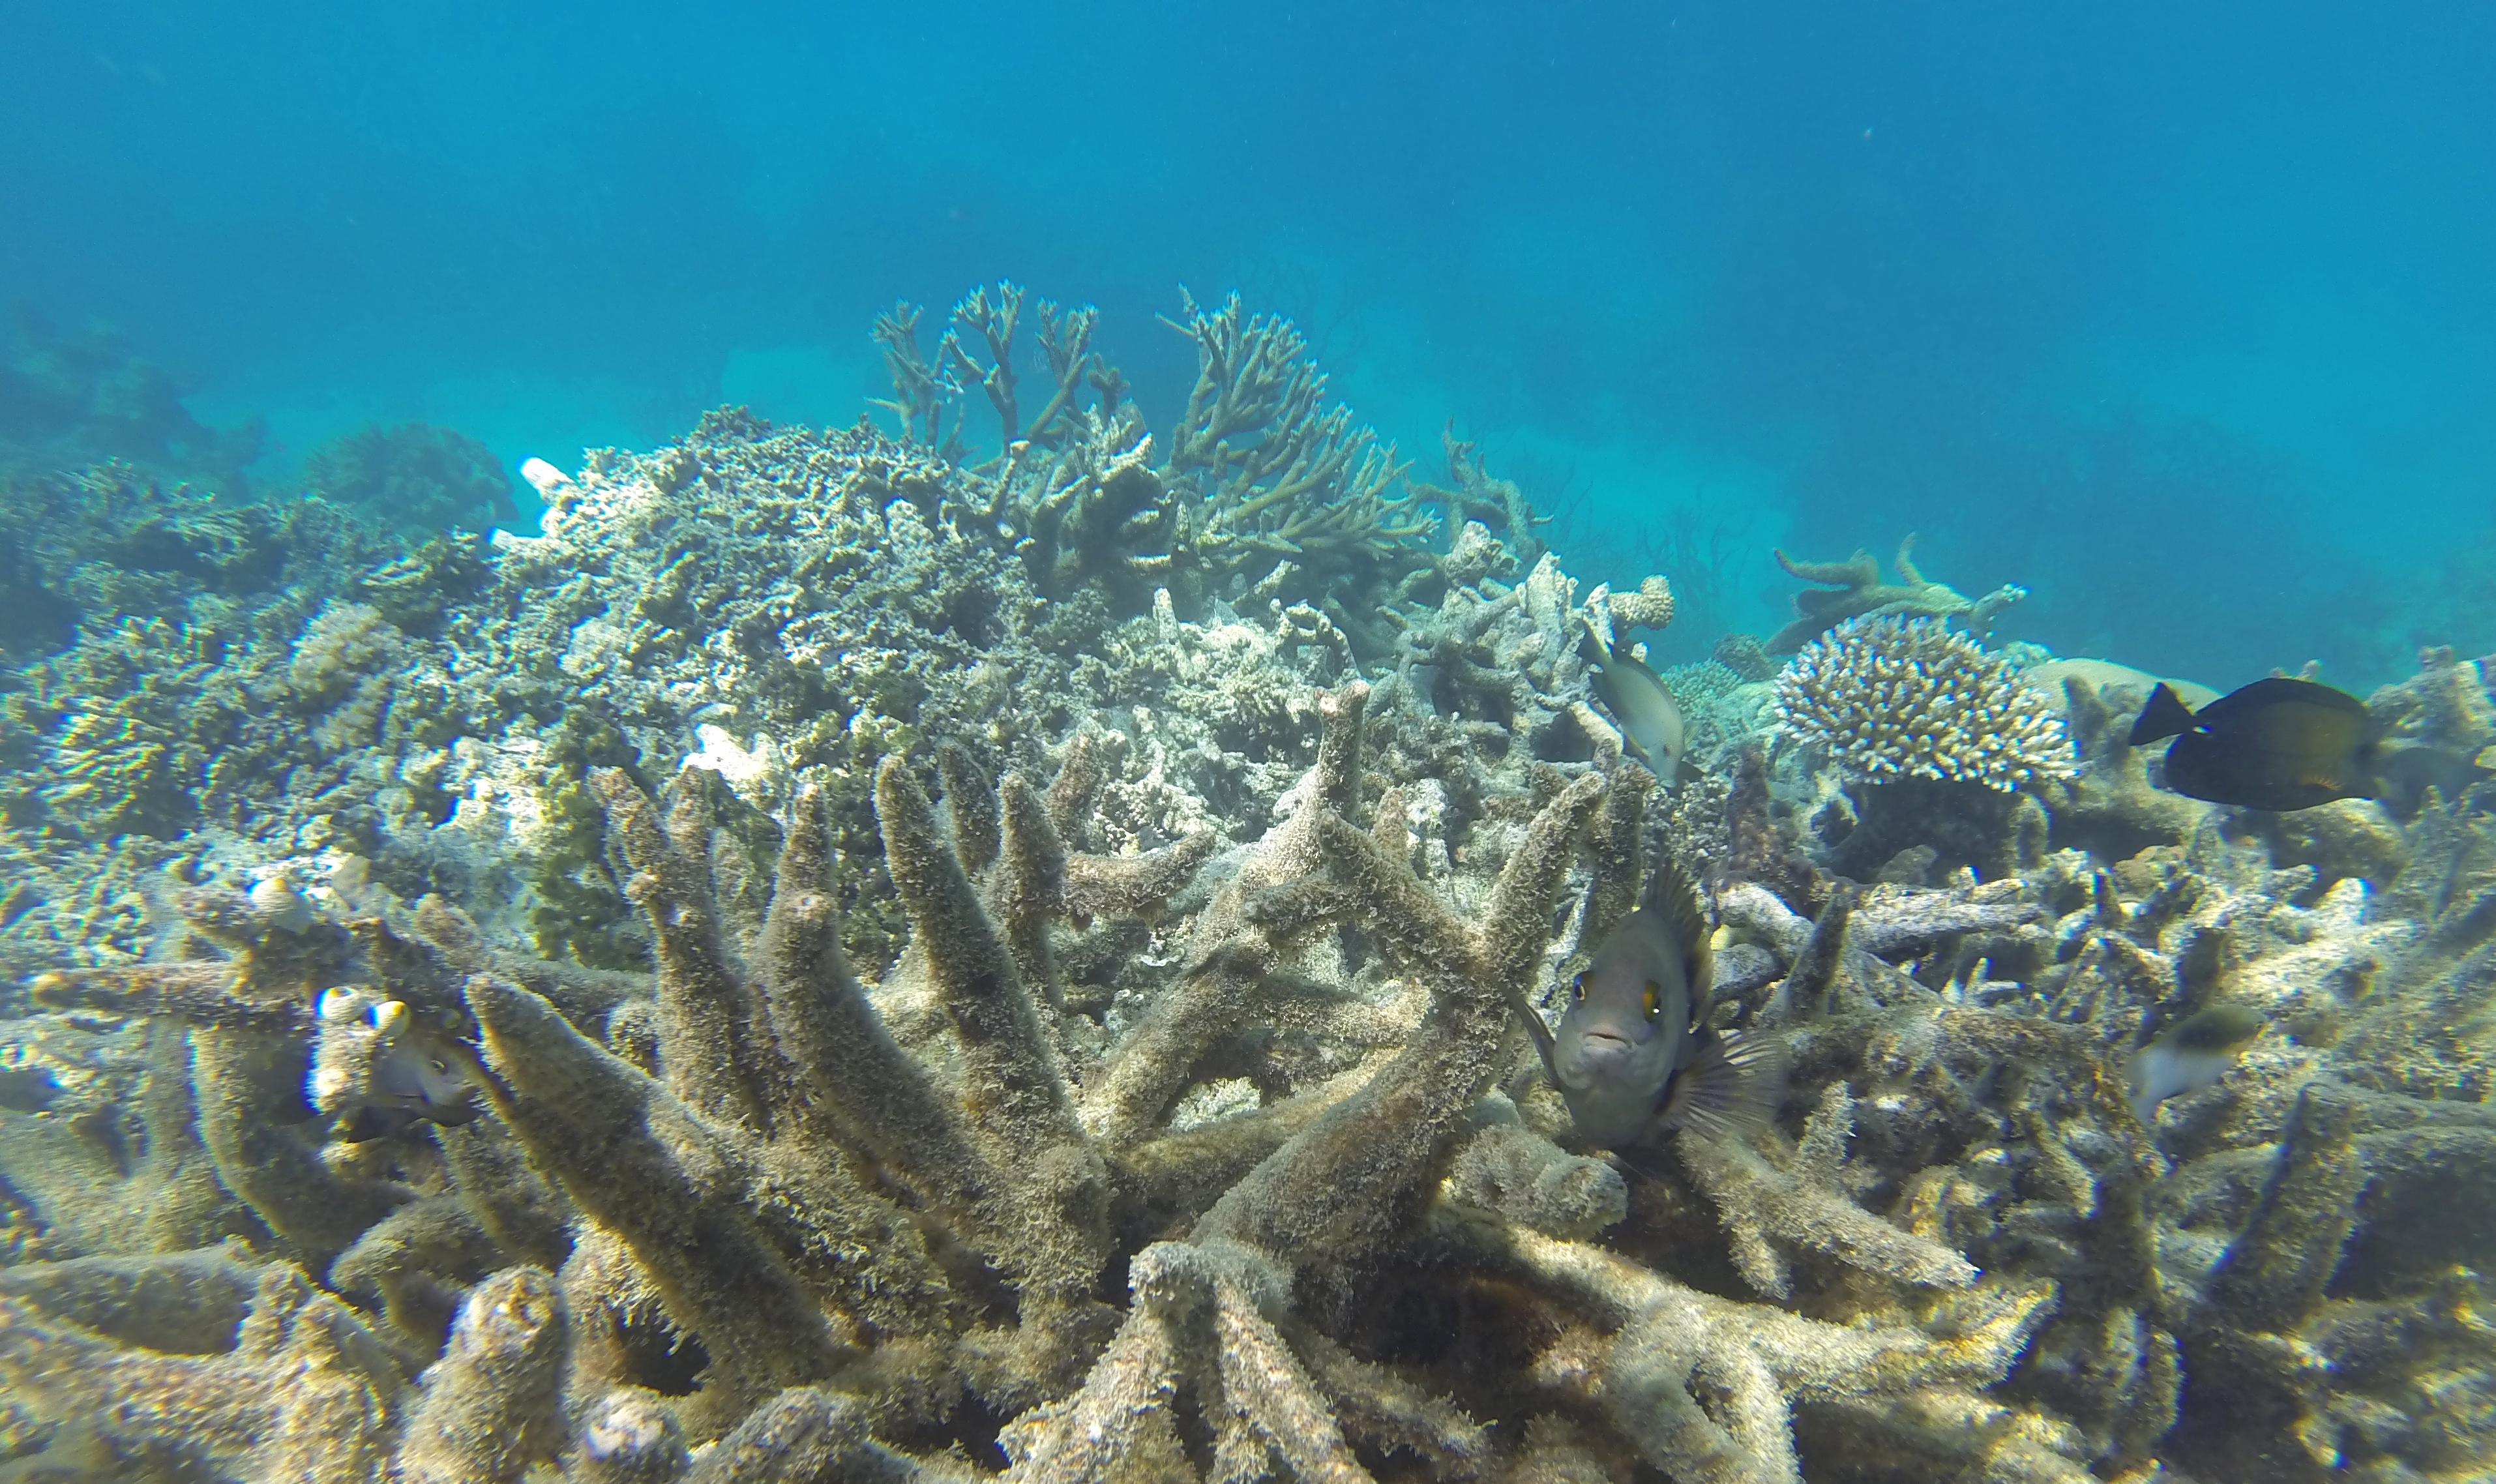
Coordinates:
[2184,317]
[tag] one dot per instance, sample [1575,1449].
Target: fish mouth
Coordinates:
[1609,1043]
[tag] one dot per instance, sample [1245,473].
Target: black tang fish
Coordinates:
[1634,1055]
[2275,744]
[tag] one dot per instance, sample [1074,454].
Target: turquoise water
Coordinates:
[2180,319]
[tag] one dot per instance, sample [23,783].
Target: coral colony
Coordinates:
[917,951]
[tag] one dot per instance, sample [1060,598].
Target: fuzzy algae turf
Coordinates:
[1025,950]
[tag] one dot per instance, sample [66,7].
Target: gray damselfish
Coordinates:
[1634,1055]
[1650,718]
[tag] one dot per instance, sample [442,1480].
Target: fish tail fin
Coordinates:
[1731,1087]
[1591,647]
[2166,715]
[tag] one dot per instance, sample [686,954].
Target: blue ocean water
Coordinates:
[2180,317]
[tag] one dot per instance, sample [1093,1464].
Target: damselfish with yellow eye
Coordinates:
[1632,1055]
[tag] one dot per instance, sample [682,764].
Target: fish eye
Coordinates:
[441,1066]
[1654,999]
[1578,987]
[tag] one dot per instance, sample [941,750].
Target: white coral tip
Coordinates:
[544,478]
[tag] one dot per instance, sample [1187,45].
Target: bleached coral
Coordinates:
[1891,697]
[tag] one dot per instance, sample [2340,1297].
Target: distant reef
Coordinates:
[71,397]
[919,952]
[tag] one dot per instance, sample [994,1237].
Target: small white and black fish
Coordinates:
[1634,1055]
[2194,1053]
[378,1068]
[1650,719]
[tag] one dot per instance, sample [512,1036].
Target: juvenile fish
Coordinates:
[378,1067]
[2193,1054]
[1634,1055]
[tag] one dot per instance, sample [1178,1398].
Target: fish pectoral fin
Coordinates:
[1733,1086]
[1543,1044]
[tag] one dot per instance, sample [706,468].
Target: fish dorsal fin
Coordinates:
[2278,690]
[1633,664]
[2166,715]
[1670,894]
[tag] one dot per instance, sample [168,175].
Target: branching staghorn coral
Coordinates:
[1477,496]
[1223,1178]
[1277,471]
[251,1017]
[1260,481]
[779,1180]
[1703,1387]
[808,1180]
[204,1364]
[1803,1204]
[1341,1187]
[1854,589]
[2280,1216]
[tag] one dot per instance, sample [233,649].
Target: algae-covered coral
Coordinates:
[847,958]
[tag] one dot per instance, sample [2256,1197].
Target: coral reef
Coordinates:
[849,958]
[1260,483]
[414,478]
[1938,744]
[761,1138]
[93,547]
[1854,589]
[1892,699]
[1474,494]
[69,398]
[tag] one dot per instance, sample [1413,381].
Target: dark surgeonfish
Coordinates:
[1634,1055]
[1650,719]
[2275,744]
